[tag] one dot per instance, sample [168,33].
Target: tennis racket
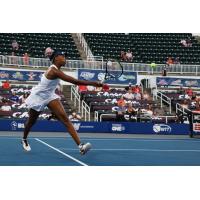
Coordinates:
[114,69]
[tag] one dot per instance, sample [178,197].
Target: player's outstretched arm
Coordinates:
[74,81]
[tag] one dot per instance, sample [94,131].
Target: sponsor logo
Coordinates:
[126,77]
[77,126]
[15,125]
[101,76]
[87,75]
[4,75]
[161,128]
[31,76]
[118,127]
[18,75]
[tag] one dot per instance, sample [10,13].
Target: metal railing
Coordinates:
[84,44]
[102,115]
[82,107]
[183,110]
[164,98]
[99,64]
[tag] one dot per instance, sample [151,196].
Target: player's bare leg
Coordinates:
[57,108]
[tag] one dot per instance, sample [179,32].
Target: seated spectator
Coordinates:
[129,56]
[148,112]
[14,98]
[48,52]
[120,112]
[177,61]
[5,107]
[129,95]
[6,85]
[169,61]
[181,90]
[82,88]
[136,89]
[130,114]
[138,96]
[23,97]
[146,96]
[183,42]
[15,46]
[185,104]
[189,92]
[74,116]
[105,88]
[121,101]
[123,56]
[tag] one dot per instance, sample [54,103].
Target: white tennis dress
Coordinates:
[43,93]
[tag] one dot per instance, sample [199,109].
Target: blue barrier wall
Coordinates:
[97,127]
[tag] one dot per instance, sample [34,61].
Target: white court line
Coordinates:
[159,150]
[61,152]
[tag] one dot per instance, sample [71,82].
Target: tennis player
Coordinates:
[44,95]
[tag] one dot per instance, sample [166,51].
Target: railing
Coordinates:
[101,116]
[75,97]
[82,107]
[183,110]
[164,98]
[84,44]
[85,111]
[95,64]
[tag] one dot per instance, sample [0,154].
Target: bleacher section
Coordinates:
[19,110]
[35,44]
[146,47]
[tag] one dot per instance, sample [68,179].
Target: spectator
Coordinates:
[26,59]
[183,42]
[177,61]
[189,92]
[105,88]
[6,106]
[138,96]
[130,113]
[74,116]
[120,111]
[136,89]
[48,52]
[15,46]
[148,112]
[121,101]
[146,96]
[169,61]
[23,97]
[6,85]
[123,56]
[129,95]
[13,58]
[129,56]
[184,104]
[14,98]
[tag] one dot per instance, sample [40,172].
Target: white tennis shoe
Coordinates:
[84,148]
[25,145]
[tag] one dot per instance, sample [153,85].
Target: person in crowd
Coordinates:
[146,96]
[123,56]
[136,89]
[15,46]
[129,95]
[5,106]
[189,91]
[130,113]
[138,96]
[184,104]
[120,110]
[74,116]
[6,85]
[14,98]
[121,101]
[129,56]
[23,97]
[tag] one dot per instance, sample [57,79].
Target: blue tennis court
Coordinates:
[108,151]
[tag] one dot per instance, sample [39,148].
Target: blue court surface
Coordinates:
[106,151]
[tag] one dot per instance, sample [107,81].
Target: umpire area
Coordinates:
[58,149]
